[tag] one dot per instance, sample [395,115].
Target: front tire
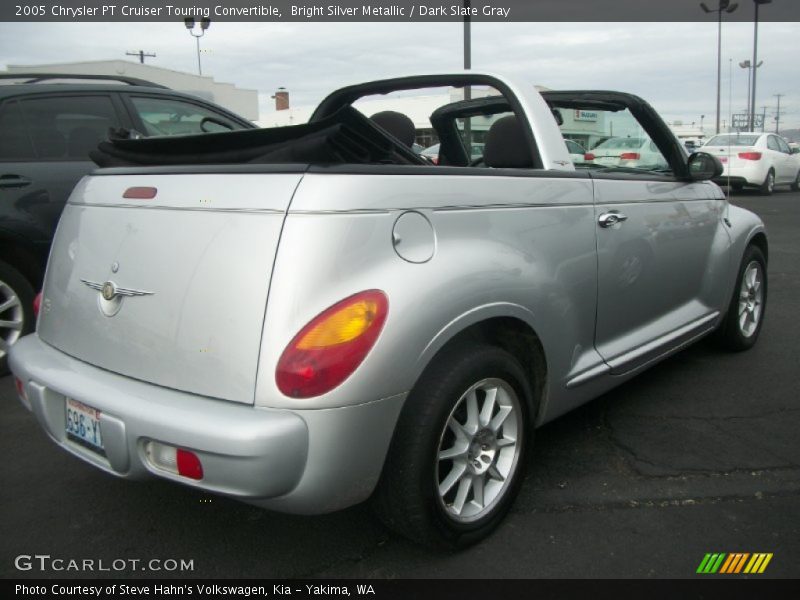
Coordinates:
[16,310]
[768,186]
[456,459]
[742,323]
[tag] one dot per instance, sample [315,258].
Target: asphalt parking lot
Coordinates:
[700,454]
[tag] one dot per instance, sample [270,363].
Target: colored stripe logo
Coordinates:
[734,563]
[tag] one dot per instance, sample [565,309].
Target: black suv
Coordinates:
[48,125]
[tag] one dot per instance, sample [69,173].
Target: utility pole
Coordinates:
[141,54]
[778,113]
[763,117]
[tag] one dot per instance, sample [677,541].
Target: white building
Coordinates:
[243,102]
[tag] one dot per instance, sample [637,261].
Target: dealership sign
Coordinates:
[585,115]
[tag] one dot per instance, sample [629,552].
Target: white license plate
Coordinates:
[83,426]
[607,160]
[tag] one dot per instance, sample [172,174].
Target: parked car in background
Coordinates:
[576,152]
[48,126]
[627,152]
[431,153]
[754,159]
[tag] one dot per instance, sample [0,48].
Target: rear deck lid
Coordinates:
[169,284]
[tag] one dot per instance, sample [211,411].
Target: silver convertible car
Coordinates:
[310,316]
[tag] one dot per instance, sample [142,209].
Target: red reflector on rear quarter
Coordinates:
[140,193]
[188,464]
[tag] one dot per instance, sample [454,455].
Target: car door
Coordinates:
[51,135]
[661,247]
[788,163]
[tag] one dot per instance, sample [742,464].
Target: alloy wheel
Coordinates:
[751,299]
[12,318]
[479,449]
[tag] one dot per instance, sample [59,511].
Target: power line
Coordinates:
[141,54]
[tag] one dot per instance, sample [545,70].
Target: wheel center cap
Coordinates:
[482,452]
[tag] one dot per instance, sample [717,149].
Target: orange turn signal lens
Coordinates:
[327,350]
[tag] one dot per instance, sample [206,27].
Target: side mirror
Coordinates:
[703,166]
[795,150]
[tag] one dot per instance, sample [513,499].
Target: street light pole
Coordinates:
[724,5]
[755,62]
[467,66]
[746,65]
[205,23]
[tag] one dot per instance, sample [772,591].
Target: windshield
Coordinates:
[735,139]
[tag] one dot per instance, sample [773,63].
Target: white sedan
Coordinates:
[637,152]
[761,160]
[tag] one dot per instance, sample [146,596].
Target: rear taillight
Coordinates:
[37,304]
[588,156]
[629,156]
[750,155]
[332,345]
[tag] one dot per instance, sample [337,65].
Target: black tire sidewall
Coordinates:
[765,188]
[472,365]
[24,291]
[732,334]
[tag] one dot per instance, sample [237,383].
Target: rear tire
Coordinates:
[741,326]
[16,310]
[768,186]
[456,459]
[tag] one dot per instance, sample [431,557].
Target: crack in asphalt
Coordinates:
[630,456]
[653,503]
[780,411]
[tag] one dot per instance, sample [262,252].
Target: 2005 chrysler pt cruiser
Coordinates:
[309,316]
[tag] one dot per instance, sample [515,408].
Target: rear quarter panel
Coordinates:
[504,246]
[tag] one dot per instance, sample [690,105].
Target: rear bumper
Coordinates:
[745,173]
[294,461]
[731,181]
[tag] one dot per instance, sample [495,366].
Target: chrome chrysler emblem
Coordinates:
[109,290]
[110,299]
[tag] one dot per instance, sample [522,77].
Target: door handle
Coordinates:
[13,181]
[611,218]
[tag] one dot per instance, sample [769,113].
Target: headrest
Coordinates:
[506,145]
[398,124]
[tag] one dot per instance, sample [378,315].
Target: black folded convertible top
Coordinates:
[345,137]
